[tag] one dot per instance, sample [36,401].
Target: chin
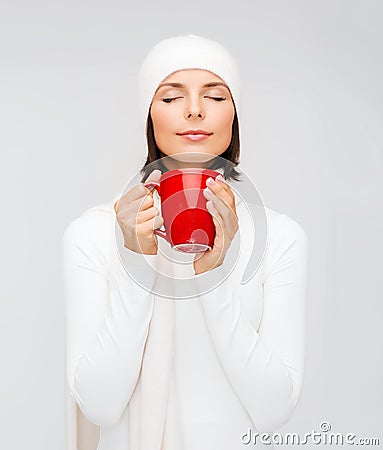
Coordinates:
[190,157]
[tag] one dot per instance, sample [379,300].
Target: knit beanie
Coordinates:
[185,52]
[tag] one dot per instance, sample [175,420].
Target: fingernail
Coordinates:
[221,179]
[208,192]
[210,182]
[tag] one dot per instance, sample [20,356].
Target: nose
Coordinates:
[194,109]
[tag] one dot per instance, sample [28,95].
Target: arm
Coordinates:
[265,367]
[106,325]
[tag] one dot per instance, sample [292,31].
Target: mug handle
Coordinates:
[155,185]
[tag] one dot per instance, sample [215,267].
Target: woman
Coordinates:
[210,372]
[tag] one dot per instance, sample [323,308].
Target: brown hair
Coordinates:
[229,159]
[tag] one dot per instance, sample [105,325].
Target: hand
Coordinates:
[221,205]
[138,217]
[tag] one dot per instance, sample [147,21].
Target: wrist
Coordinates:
[142,251]
[202,268]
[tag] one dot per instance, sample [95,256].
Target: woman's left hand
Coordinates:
[221,205]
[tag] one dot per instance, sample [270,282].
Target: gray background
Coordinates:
[311,124]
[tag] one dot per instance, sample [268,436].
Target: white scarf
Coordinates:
[153,421]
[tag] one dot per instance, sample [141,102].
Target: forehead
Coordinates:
[192,74]
[190,78]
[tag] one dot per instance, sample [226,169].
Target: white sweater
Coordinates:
[239,350]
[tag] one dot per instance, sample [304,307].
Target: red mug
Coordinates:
[188,224]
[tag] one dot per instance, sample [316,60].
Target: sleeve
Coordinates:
[265,367]
[106,326]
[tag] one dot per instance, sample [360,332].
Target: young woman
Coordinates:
[144,373]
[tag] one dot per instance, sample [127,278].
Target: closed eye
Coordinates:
[168,100]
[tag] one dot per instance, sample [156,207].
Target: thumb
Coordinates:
[155,175]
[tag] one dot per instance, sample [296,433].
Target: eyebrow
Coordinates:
[180,85]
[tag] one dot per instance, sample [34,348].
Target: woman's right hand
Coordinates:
[138,217]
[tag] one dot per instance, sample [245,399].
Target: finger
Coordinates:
[146,228]
[130,211]
[225,217]
[143,203]
[155,175]
[217,219]
[223,191]
[140,190]
[147,214]
[221,240]
[225,208]
[134,193]
[221,181]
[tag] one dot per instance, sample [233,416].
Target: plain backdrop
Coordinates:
[311,135]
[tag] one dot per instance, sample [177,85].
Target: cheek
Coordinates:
[161,120]
[225,122]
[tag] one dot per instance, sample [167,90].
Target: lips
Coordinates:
[195,132]
[195,135]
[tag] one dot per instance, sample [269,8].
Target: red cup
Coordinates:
[189,226]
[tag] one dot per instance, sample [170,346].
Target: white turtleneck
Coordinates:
[238,351]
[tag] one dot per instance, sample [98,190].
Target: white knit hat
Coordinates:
[185,52]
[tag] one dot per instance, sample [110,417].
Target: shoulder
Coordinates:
[283,226]
[279,227]
[92,230]
[287,242]
[91,222]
